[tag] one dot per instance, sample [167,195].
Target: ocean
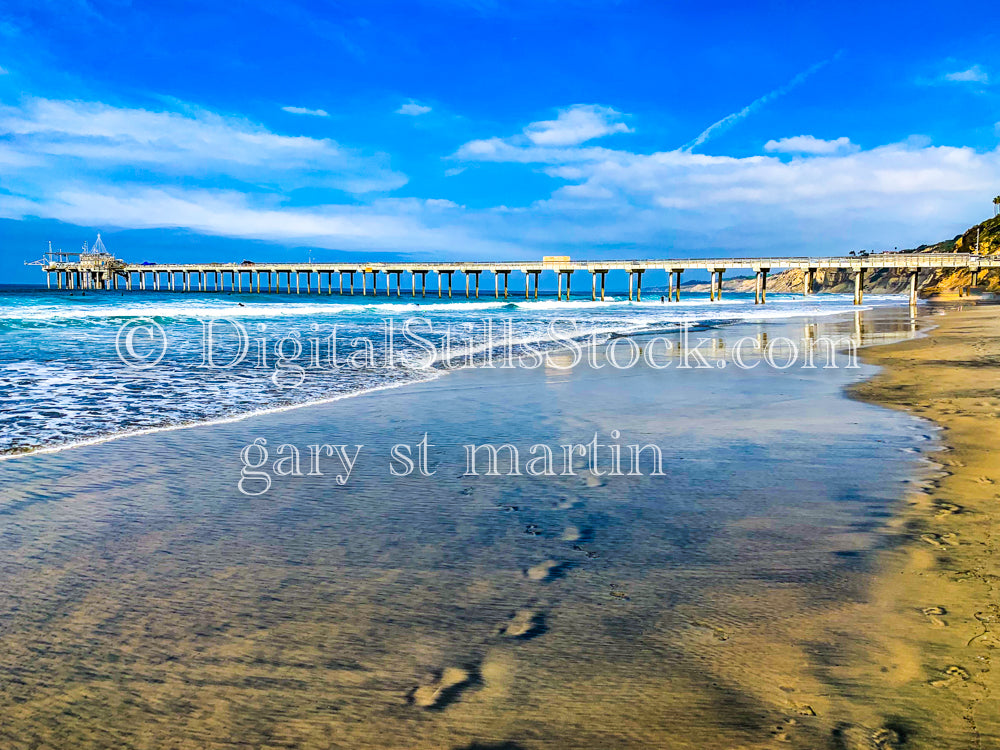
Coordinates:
[78,368]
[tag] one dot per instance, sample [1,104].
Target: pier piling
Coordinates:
[760,293]
[104,272]
[810,281]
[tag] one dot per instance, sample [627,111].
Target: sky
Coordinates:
[488,130]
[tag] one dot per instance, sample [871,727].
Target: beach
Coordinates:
[496,375]
[934,613]
[147,602]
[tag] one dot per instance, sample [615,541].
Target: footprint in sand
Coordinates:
[941,541]
[565,504]
[543,571]
[933,540]
[862,738]
[953,674]
[934,614]
[718,633]
[618,592]
[947,509]
[439,690]
[985,480]
[524,624]
[782,731]
[886,739]
[570,534]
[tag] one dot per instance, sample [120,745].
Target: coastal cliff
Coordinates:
[887,280]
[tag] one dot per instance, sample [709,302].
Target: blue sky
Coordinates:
[486,129]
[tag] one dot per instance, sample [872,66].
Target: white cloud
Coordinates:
[413,109]
[440,203]
[974,74]
[305,111]
[575,125]
[553,141]
[90,136]
[390,225]
[833,195]
[807,186]
[3,71]
[807,144]
[93,164]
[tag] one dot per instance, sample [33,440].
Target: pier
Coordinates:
[101,270]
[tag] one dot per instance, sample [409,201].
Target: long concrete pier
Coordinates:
[104,271]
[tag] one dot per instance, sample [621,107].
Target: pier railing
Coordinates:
[115,274]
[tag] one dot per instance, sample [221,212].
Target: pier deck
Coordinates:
[103,271]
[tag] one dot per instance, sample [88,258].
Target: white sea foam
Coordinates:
[780,306]
[63,383]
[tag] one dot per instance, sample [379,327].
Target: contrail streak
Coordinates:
[753,106]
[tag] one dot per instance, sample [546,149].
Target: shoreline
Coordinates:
[214,422]
[935,600]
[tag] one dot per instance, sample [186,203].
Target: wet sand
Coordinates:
[934,617]
[736,603]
